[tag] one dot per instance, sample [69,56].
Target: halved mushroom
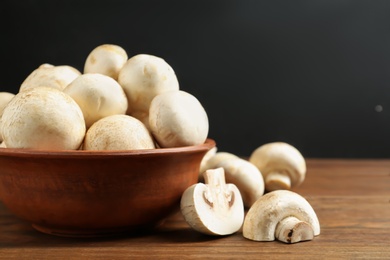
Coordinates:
[47,75]
[281,164]
[106,59]
[118,132]
[43,118]
[283,215]
[213,208]
[246,177]
[177,118]
[98,96]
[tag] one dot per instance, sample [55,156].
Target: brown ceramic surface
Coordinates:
[83,193]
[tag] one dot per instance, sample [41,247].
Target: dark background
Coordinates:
[315,74]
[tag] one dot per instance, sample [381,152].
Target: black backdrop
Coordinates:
[315,74]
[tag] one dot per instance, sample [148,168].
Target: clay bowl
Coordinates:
[84,193]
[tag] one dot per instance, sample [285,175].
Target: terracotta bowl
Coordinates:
[84,193]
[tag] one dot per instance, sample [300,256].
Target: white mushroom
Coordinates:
[2,145]
[212,158]
[106,59]
[143,77]
[283,215]
[213,208]
[177,118]
[98,96]
[47,75]
[246,177]
[281,164]
[43,118]
[118,132]
[5,98]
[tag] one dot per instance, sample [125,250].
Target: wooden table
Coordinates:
[350,197]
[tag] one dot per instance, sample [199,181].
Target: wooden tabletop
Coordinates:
[351,199]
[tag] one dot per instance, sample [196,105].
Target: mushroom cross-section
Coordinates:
[283,215]
[281,164]
[213,208]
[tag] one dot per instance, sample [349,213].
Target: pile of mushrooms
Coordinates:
[116,103]
[264,183]
[121,103]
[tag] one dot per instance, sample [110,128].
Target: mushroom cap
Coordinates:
[246,177]
[43,118]
[5,98]
[98,96]
[177,118]
[211,160]
[106,59]
[118,132]
[214,208]
[143,77]
[47,75]
[269,210]
[282,158]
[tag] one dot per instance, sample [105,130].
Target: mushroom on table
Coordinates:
[281,164]
[283,215]
[213,208]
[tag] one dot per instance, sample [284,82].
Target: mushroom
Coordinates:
[2,145]
[43,118]
[143,77]
[5,98]
[118,132]
[283,215]
[212,158]
[98,96]
[177,118]
[106,59]
[213,208]
[246,177]
[51,76]
[281,164]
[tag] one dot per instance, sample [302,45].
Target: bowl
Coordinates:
[97,193]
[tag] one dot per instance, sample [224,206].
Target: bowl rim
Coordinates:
[207,145]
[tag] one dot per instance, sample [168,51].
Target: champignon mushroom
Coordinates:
[47,75]
[106,59]
[177,118]
[281,164]
[212,158]
[2,145]
[5,98]
[246,177]
[43,118]
[283,215]
[213,208]
[118,132]
[98,96]
[143,77]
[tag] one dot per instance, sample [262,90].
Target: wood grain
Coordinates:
[350,197]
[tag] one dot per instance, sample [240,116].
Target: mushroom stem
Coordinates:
[217,193]
[292,230]
[277,181]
